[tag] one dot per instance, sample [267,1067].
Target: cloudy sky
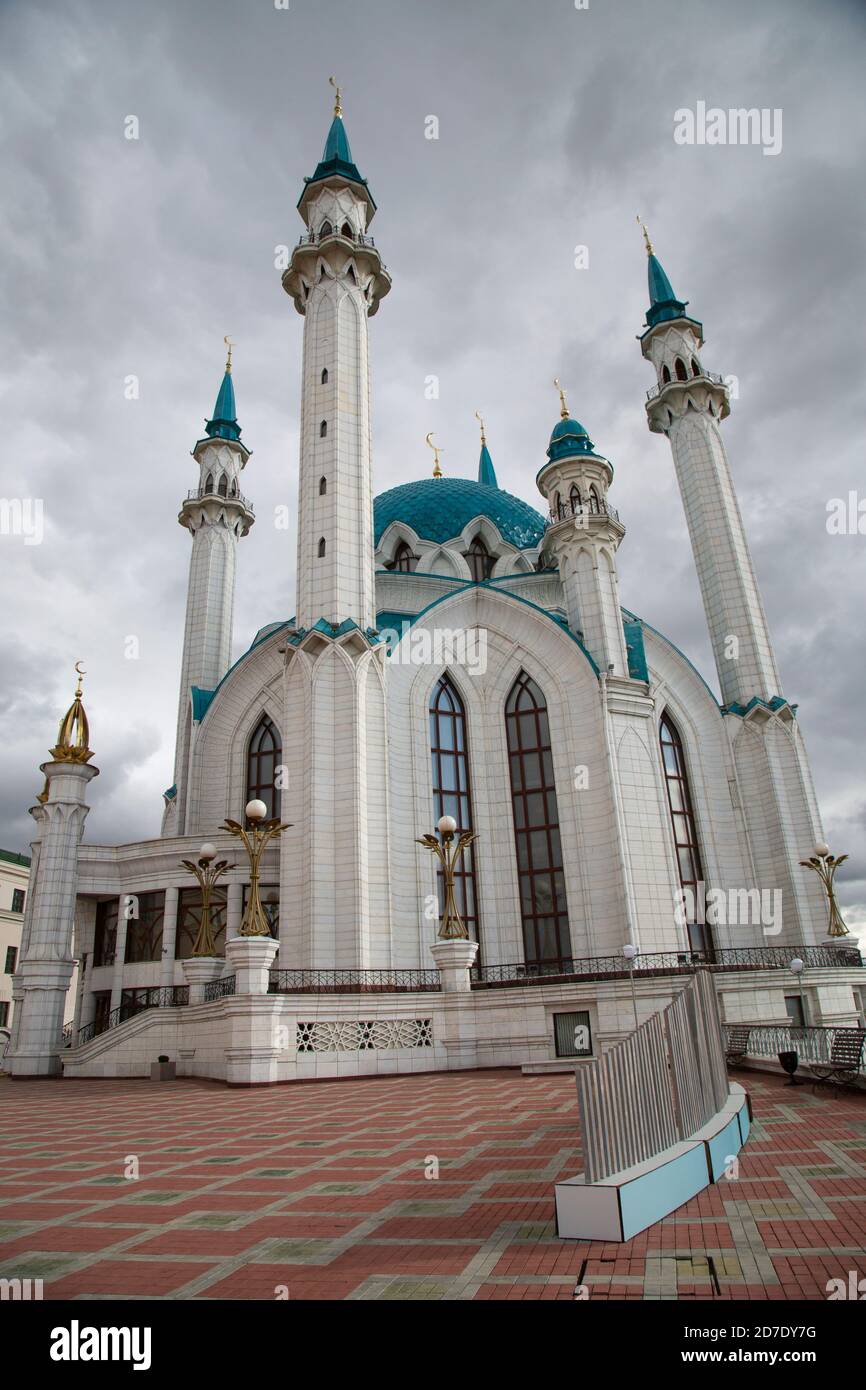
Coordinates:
[134,257]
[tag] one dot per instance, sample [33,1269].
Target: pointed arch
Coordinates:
[575,501]
[696,367]
[405,560]
[223,487]
[543,907]
[264,756]
[346,230]
[680,369]
[326,229]
[323,486]
[684,829]
[322,548]
[208,483]
[323,429]
[449,755]
[666,373]
[479,560]
[324,376]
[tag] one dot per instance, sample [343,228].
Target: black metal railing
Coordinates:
[219,989]
[665,963]
[315,238]
[170,997]
[196,493]
[811,1044]
[352,981]
[66,1035]
[581,511]
[684,381]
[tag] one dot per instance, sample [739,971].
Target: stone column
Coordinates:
[198,972]
[234,909]
[119,951]
[454,960]
[251,957]
[169,936]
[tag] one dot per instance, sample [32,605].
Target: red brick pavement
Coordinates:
[127,1189]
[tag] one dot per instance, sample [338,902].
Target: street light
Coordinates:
[258,834]
[207,872]
[825,864]
[796,967]
[630,952]
[449,853]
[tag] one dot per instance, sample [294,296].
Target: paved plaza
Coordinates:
[436,1186]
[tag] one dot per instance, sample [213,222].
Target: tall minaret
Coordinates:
[216,515]
[583,536]
[688,406]
[336,279]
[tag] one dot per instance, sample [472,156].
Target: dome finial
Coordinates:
[338,107]
[481,423]
[646,237]
[74,734]
[229,344]
[437,471]
[563,408]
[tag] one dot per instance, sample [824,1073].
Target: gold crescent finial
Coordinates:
[437,471]
[563,408]
[649,245]
[338,109]
[79,673]
[229,344]
[481,423]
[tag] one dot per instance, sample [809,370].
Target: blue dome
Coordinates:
[437,509]
[569,437]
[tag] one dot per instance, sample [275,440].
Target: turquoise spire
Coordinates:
[224,424]
[664,304]
[337,154]
[486,471]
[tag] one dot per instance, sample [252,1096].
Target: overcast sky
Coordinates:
[134,257]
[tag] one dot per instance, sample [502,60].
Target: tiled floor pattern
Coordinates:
[188,1189]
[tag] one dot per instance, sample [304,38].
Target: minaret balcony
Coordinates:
[585,517]
[702,376]
[338,251]
[669,400]
[201,503]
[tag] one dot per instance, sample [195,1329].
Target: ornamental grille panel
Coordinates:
[362,1035]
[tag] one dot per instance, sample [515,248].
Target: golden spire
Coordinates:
[563,408]
[437,471]
[338,108]
[229,344]
[649,245]
[481,423]
[72,740]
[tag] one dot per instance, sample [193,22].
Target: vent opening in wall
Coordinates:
[572,1034]
[324,376]
[323,429]
[323,486]
[321,547]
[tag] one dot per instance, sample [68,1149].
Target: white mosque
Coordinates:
[454,652]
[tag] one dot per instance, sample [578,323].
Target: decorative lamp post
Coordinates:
[796,967]
[258,834]
[825,864]
[207,872]
[630,952]
[449,853]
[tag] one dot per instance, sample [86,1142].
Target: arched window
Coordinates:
[666,373]
[223,488]
[326,229]
[323,429]
[346,230]
[322,547]
[680,367]
[404,560]
[684,829]
[208,486]
[234,487]
[323,486]
[451,795]
[263,758]
[480,560]
[324,376]
[696,367]
[594,500]
[543,909]
[574,498]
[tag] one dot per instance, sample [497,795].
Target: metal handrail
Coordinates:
[197,493]
[220,989]
[582,511]
[813,1044]
[665,963]
[676,381]
[169,997]
[316,238]
[352,981]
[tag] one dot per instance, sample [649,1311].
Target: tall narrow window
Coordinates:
[263,759]
[223,486]
[543,907]
[323,429]
[696,367]
[480,560]
[322,548]
[326,230]
[594,500]
[404,560]
[451,794]
[574,498]
[685,833]
[666,373]
[208,485]
[105,940]
[144,932]
[323,486]
[680,367]
[346,230]
[324,376]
